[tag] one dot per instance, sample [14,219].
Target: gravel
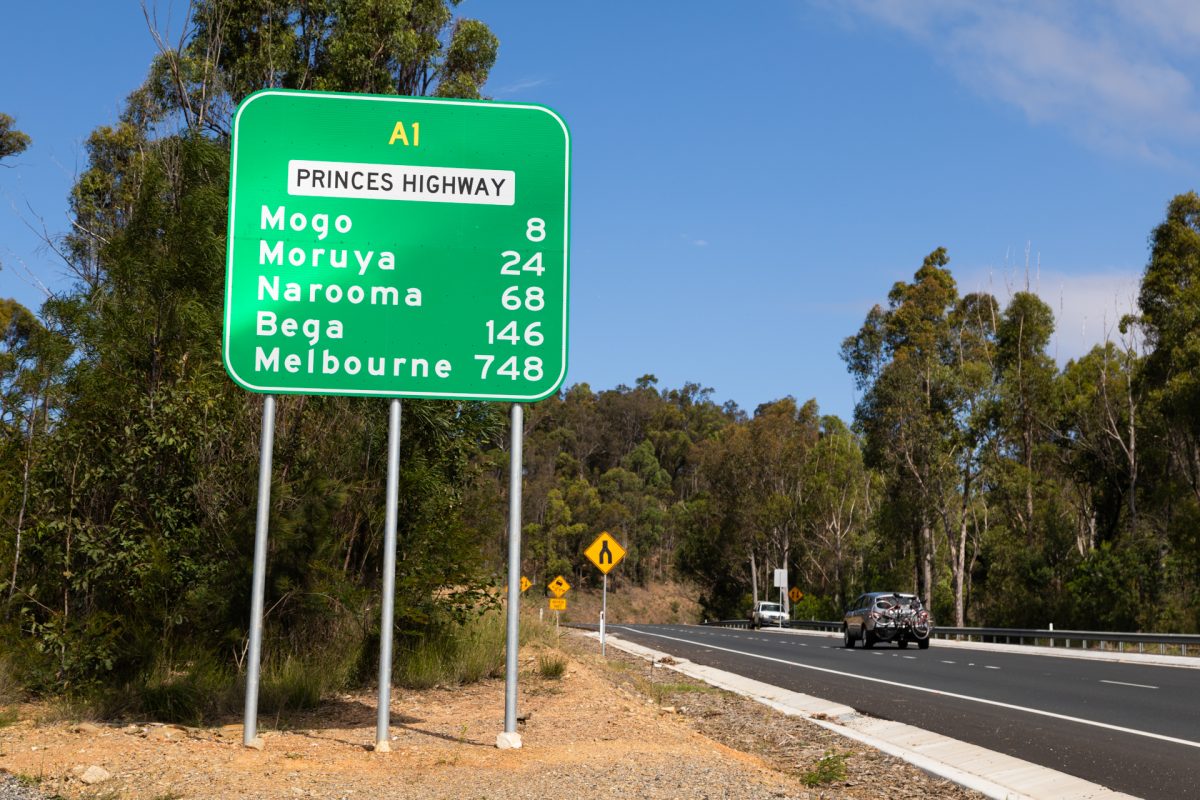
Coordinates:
[607,728]
[13,788]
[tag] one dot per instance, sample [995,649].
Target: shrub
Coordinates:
[830,769]
[551,666]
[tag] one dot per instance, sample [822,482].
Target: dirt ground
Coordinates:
[615,727]
[663,602]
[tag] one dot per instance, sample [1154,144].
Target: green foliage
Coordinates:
[188,694]
[129,465]
[452,653]
[831,768]
[1004,490]
[551,666]
[12,141]
[661,692]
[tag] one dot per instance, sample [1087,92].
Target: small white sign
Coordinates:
[493,187]
[780,579]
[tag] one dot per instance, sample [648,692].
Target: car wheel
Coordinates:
[868,639]
[923,643]
[847,639]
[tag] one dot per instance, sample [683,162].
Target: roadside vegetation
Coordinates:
[1003,489]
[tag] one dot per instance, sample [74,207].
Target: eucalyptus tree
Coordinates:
[1169,305]
[1025,411]
[840,503]
[924,366]
[142,515]
[12,141]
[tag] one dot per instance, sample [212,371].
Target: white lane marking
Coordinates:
[956,696]
[949,662]
[990,667]
[1137,685]
[910,658]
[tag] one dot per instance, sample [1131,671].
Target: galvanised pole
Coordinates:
[384,712]
[259,580]
[514,578]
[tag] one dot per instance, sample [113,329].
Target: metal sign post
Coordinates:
[603,611]
[384,711]
[605,553]
[259,580]
[510,737]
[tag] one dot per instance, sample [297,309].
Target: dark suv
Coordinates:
[887,617]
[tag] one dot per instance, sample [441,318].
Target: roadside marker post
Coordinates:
[395,247]
[781,581]
[605,553]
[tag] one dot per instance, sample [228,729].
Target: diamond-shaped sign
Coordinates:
[605,552]
[796,595]
[559,586]
[525,583]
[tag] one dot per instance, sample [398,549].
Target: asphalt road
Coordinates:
[1133,728]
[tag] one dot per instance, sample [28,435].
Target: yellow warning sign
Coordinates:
[525,583]
[796,595]
[605,552]
[558,604]
[559,586]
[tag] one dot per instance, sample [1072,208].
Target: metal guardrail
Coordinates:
[1165,643]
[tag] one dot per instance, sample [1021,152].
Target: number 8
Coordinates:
[535,229]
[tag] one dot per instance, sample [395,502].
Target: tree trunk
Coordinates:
[753,578]
[927,563]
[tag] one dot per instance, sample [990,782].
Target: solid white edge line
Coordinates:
[981,783]
[1107,726]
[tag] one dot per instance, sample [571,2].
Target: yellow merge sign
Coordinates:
[558,604]
[525,583]
[605,552]
[796,595]
[559,586]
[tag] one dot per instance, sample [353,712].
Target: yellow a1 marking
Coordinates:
[605,552]
[525,583]
[558,604]
[398,133]
[559,586]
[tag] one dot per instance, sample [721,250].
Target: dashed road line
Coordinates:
[1136,685]
[994,774]
[913,687]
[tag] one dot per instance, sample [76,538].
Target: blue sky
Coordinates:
[750,178]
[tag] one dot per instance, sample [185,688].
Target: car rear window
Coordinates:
[770,606]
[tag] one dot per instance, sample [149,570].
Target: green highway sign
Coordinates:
[397,247]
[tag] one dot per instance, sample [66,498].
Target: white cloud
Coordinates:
[1116,75]
[1087,308]
[521,86]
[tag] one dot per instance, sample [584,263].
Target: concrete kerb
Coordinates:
[993,774]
